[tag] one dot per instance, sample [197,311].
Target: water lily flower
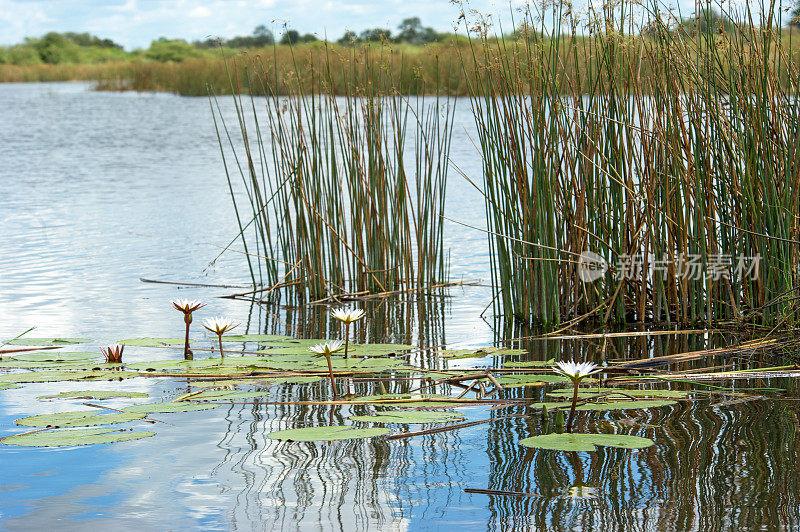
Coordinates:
[347,316]
[326,350]
[113,353]
[220,326]
[187,307]
[576,373]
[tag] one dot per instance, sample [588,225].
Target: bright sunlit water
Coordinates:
[98,190]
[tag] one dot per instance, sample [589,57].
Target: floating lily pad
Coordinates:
[326,433]
[585,442]
[457,354]
[70,438]
[81,418]
[410,404]
[361,364]
[55,356]
[255,338]
[227,382]
[8,386]
[529,363]
[47,341]
[513,381]
[217,395]
[591,392]
[506,351]
[611,405]
[153,342]
[93,394]
[56,376]
[299,347]
[166,408]
[409,417]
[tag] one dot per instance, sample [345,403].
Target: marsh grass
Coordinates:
[676,145]
[342,193]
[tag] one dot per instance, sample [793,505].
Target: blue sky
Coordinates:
[134,23]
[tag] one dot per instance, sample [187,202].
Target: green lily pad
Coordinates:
[299,347]
[361,364]
[513,381]
[47,341]
[9,386]
[600,407]
[529,363]
[590,392]
[153,342]
[585,442]
[409,417]
[506,351]
[56,376]
[326,433]
[411,404]
[70,438]
[166,408]
[458,354]
[217,395]
[255,338]
[81,418]
[56,356]
[228,382]
[93,394]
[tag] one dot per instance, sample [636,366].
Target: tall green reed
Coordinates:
[343,192]
[673,150]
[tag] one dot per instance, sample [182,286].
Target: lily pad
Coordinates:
[513,381]
[81,418]
[153,342]
[255,338]
[70,438]
[47,341]
[376,399]
[8,386]
[457,354]
[56,376]
[299,347]
[529,363]
[217,395]
[600,407]
[361,364]
[409,417]
[590,392]
[55,356]
[585,442]
[166,408]
[93,394]
[340,432]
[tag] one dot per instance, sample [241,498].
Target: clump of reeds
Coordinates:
[335,199]
[667,145]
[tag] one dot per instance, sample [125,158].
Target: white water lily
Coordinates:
[187,306]
[348,315]
[219,325]
[328,348]
[576,372]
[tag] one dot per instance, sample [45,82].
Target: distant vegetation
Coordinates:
[86,49]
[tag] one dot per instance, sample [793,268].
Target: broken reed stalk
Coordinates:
[645,142]
[334,186]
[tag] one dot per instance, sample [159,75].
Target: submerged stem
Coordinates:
[330,372]
[187,318]
[572,408]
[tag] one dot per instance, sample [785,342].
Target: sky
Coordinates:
[135,23]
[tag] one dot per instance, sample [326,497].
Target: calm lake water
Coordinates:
[98,190]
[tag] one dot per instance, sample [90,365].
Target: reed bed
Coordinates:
[666,156]
[342,194]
